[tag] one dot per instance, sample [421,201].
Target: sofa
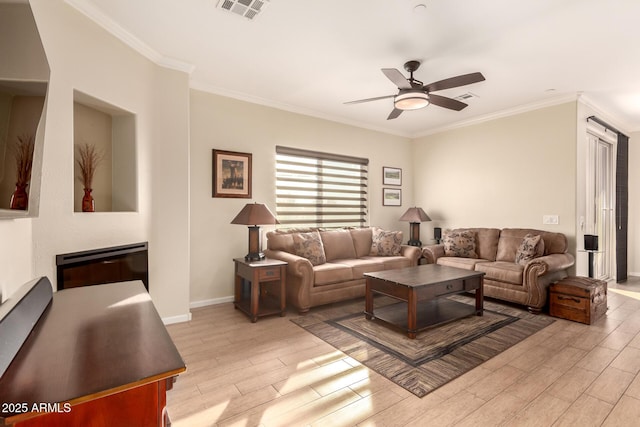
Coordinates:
[519,264]
[326,266]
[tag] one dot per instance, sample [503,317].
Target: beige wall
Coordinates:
[227,124]
[5,114]
[16,261]
[507,172]
[86,58]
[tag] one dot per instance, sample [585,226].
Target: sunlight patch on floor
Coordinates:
[630,294]
[329,357]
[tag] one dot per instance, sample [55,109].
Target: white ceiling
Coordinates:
[312,56]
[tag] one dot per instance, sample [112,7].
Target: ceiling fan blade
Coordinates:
[369,99]
[443,101]
[397,78]
[394,113]
[465,79]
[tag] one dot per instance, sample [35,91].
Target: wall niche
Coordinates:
[24,77]
[111,133]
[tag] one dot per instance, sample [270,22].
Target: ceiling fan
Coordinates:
[413,94]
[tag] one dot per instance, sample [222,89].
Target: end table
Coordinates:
[261,302]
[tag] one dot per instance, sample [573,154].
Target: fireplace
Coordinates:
[105,265]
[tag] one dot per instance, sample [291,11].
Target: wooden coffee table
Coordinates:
[421,288]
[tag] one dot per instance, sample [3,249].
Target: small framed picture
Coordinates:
[391,197]
[231,174]
[391,176]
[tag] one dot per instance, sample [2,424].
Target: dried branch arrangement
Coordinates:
[23,153]
[88,159]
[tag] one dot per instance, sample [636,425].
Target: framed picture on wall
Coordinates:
[231,174]
[391,197]
[391,176]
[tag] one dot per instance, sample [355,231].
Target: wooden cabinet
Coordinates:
[98,356]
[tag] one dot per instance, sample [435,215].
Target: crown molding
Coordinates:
[501,114]
[97,16]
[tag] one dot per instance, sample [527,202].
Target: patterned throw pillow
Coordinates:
[530,248]
[309,246]
[385,243]
[459,243]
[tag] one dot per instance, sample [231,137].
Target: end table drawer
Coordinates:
[271,273]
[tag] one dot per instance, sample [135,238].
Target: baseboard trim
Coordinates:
[195,304]
[176,319]
[207,302]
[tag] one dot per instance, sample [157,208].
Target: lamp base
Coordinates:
[414,234]
[254,256]
[255,248]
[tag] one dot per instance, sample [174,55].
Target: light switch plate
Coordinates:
[550,219]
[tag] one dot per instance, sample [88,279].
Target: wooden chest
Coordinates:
[580,299]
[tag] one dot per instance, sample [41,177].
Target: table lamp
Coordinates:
[254,215]
[415,216]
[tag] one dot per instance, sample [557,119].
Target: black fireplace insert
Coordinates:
[105,265]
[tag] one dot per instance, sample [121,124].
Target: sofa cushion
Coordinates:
[554,243]
[487,242]
[309,246]
[502,271]
[464,263]
[385,243]
[362,239]
[282,239]
[530,248]
[459,243]
[338,244]
[394,262]
[362,265]
[331,272]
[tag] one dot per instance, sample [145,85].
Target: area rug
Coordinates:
[437,355]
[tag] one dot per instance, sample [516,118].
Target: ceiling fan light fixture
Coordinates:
[413,100]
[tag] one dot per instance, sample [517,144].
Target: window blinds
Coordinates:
[316,189]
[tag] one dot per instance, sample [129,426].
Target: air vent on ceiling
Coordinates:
[465,96]
[246,8]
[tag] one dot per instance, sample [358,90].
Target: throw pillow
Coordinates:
[385,243]
[529,249]
[459,243]
[309,246]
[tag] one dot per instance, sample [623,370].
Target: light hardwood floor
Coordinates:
[273,373]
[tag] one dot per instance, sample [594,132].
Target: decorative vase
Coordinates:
[88,204]
[20,198]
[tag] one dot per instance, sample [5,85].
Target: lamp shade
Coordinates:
[255,214]
[415,214]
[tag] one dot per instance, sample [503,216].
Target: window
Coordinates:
[320,189]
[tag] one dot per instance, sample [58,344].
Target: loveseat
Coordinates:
[326,266]
[519,264]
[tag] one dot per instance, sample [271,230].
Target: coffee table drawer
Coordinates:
[448,288]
